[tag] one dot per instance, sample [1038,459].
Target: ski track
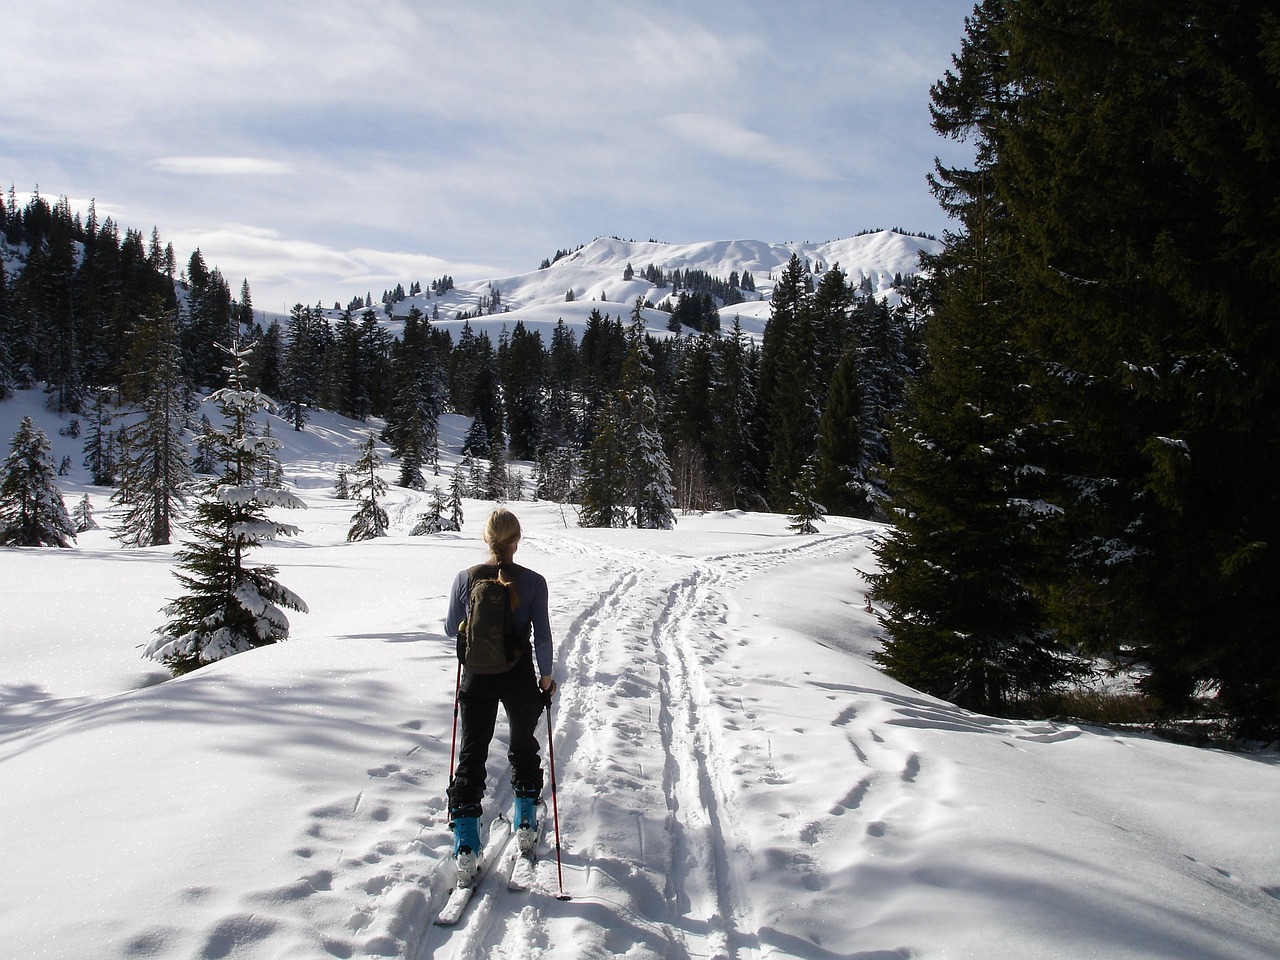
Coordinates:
[650,731]
[652,734]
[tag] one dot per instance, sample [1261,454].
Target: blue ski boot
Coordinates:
[524,818]
[466,846]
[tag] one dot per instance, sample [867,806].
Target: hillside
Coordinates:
[538,298]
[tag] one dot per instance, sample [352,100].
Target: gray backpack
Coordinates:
[488,641]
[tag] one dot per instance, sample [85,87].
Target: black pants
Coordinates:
[478,699]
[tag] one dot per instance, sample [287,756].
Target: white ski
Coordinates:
[459,897]
[524,865]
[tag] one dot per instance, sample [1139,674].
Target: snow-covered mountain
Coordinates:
[594,273]
[736,778]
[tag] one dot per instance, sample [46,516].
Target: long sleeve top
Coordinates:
[531,609]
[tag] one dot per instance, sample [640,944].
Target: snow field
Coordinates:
[736,778]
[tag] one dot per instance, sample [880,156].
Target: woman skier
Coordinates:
[508,679]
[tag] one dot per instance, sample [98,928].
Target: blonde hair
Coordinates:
[502,534]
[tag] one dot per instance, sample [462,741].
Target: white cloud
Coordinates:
[723,137]
[222,166]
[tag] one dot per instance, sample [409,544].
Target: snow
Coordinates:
[736,779]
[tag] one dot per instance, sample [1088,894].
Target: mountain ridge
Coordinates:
[594,273]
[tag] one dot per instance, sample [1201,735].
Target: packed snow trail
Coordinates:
[647,694]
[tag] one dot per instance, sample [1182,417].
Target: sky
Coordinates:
[322,150]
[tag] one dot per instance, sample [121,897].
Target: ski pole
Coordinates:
[453,741]
[555,805]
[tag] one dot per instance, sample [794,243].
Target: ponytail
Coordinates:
[502,534]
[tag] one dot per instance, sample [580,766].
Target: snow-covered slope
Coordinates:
[595,275]
[736,778]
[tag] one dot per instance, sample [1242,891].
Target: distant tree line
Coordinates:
[726,423]
[67,319]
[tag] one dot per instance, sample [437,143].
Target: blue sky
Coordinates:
[327,149]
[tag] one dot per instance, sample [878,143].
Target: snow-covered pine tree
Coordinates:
[342,481]
[433,520]
[477,442]
[370,519]
[82,516]
[808,511]
[229,607]
[32,513]
[154,472]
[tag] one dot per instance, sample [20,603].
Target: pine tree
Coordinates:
[268,361]
[793,414]
[370,520]
[205,442]
[605,474]
[839,479]
[208,322]
[886,364]
[455,498]
[963,571]
[244,310]
[100,443]
[413,416]
[433,520]
[649,487]
[228,606]
[32,513]
[153,468]
[733,457]
[302,359]
[808,511]
[786,386]
[696,427]
[497,479]
[522,363]
[82,518]
[560,425]
[8,376]
[555,478]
